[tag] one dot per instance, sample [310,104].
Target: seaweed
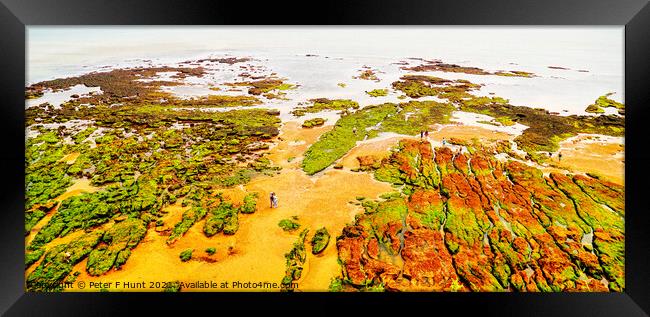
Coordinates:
[295,259]
[320,240]
[377,92]
[186,255]
[265,85]
[436,65]
[116,246]
[288,225]
[322,104]
[350,128]
[315,122]
[405,118]
[604,102]
[249,204]
[222,218]
[59,261]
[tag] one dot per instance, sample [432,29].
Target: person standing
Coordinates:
[272,199]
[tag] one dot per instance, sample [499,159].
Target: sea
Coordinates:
[573,65]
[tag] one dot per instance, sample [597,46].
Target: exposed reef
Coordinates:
[315,122]
[545,130]
[377,92]
[141,155]
[295,260]
[367,73]
[405,118]
[320,240]
[468,222]
[604,102]
[436,65]
[265,85]
[322,104]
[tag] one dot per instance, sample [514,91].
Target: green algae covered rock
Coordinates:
[116,248]
[377,92]
[315,122]
[486,226]
[320,240]
[288,225]
[186,255]
[249,205]
[59,261]
[222,218]
[295,259]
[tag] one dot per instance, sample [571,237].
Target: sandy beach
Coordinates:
[162,145]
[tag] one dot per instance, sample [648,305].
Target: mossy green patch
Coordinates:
[315,122]
[322,104]
[350,128]
[377,93]
[288,225]
[604,102]
[295,259]
[249,205]
[59,261]
[222,218]
[116,246]
[320,240]
[186,255]
[405,118]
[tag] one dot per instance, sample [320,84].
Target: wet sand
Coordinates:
[70,158]
[600,155]
[464,132]
[378,149]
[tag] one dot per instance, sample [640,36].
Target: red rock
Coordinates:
[505,227]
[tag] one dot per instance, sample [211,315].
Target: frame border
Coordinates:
[16,15]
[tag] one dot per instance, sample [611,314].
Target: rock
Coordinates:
[472,223]
[366,161]
[255,91]
[315,122]
[320,240]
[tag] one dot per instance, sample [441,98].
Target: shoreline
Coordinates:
[272,146]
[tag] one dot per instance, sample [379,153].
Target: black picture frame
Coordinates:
[15,15]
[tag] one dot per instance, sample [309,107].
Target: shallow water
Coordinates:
[339,54]
[56,98]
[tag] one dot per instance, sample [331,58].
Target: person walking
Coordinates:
[274,201]
[421,134]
